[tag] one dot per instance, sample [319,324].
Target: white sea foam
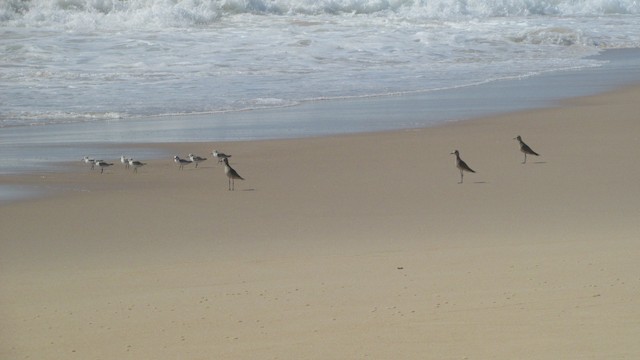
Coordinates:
[86,60]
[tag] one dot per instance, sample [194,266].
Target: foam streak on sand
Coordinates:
[348,247]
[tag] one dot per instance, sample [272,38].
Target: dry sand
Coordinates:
[345,247]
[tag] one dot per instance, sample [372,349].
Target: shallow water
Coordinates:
[45,147]
[11,193]
[111,60]
[77,76]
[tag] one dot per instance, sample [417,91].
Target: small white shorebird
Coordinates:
[102,165]
[88,160]
[124,161]
[181,162]
[525,149]
[196,159]
[231,174]
[461,165]
[220,156]
[136,164]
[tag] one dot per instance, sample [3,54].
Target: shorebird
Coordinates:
[220,156]
[461,165]
[124,161]
[88,160]
[231,174]
[181,162]
[525,149]
[196,159]
[102,165]
[136,164]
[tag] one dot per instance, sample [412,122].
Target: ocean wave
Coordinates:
[78,14]
[55,117]
[93,60]
[40,118]
[105,14]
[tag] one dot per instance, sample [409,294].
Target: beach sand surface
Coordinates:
[341,247]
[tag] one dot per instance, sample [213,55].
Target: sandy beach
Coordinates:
[341,247]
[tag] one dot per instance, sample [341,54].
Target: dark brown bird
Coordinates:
[461,165]
[525,149]
[231,174]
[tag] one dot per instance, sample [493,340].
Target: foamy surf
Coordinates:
[88,60]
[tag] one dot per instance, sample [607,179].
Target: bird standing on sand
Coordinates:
[136,164]
[181,162]
[231,174]
[102,165]
[461,165]
[88,160]
[196,159]
[124,161]
[525,149]
[220,156]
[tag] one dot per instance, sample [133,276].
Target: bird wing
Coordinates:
[528,150]
[466,167]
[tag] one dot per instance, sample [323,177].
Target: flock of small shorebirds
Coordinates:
[193,159]
[233,175]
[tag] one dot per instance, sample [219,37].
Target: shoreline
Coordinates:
[32,149]
[342,247]
[17,187]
